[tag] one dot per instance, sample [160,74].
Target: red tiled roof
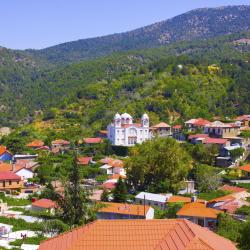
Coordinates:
[245,168]
[35,144]
[201,122]
[243,117]
[171,234]
[209,140]
[84,160]
[109,185]
[93,140]
[197,209]
[162,125]
[8,175]
[196,136]
[233,189]
[106,160]
[177,126]
[60,142]
[44,203]
[43,148]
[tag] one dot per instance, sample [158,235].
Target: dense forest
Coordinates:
[178,81]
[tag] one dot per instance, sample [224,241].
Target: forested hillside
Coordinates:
[197,24]
[199,78]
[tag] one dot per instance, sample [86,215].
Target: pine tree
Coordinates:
[120,192]
[75,204]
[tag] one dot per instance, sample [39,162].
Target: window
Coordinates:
[9,182]
[17,182]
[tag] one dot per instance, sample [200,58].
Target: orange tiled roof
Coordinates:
[171,234]
[245,168]
[177,126]
[35,144]
[84,160]
[223,198]
[44,203]
[8,167]
[233,189]
[197,209]
[183,199]
[106,160]
[120,208]
[3,150]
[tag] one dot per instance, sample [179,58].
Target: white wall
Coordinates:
[25,174]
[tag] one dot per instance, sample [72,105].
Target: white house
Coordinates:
[123,132]
[25,173]
[114,167]
[150,199]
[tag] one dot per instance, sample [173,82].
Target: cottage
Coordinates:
[93,140]
[138,234]
[5,155]
[123,132]
[183,199]
[162,130]
[222,130]
[244,120]
[84,161]
[195,124]
[60,145]
[43,205]
[177,132]
[150,199]
[114,166]
[199,214]
[10,181]
[110,211]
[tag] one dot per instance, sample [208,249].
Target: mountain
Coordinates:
[197,24]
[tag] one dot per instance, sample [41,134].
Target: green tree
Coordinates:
[120,192]
[105,195]
[159,165]
[75,208]
[206,178]
[245,239]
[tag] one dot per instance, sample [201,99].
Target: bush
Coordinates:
[32,240]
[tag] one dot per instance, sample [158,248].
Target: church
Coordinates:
[123,132]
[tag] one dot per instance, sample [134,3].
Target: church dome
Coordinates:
[117,116]
[126,116]
[145,116]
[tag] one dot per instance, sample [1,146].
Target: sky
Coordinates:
[38,24]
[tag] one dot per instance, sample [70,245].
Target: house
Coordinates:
[60,145]
[150,199]
[26,163]
[93,140]
[25,173]
[46,205]
[197,138]
[10,181]
[5,155]
[138,234]
[220,142]
[111,211]
[123,132]
[244,120]
[245,170]
[195,124]
[84,160]
[219,129]
[162,130]
[177,132]
[114,166]
[35,144]
[199,214]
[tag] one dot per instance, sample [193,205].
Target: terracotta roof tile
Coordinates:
[44,203]
[84,160]
[171,234]
[209,140]
[197,209]
[92,140]
[8,175]
[162,125]
[183,199]
[245,168]
[60,142]
[35,144]
[233,189]
[120,208]
[177,126]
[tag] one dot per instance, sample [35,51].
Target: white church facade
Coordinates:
[123,132]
